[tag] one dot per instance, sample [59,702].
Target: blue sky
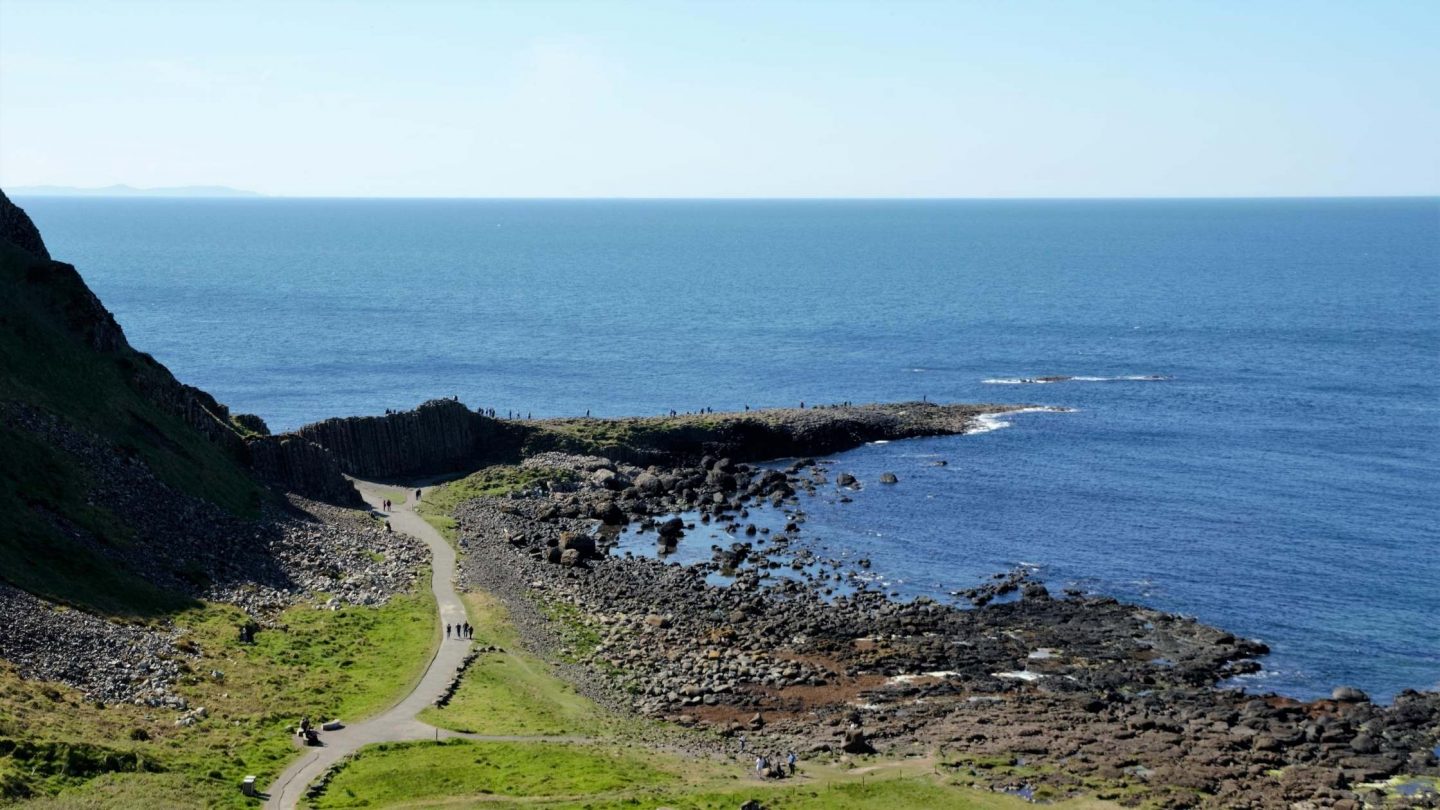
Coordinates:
[732,99]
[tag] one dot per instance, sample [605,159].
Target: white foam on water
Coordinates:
[986,422]
[1075,378]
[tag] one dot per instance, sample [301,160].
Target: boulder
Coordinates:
[581,544]
[1349,694]
[889,478]
[649,483]
[856,743]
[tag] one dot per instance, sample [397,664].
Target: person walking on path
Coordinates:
[790,760]
[447,630]
[417,495]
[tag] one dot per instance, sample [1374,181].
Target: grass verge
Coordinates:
[512,692]
[346,663]
[414,772]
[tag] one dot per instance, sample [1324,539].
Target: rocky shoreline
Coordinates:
[1060,694]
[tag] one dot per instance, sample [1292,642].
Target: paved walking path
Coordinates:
[398,723]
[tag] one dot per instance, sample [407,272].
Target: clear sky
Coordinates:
[724,99]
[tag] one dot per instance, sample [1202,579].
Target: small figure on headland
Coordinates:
[417,494]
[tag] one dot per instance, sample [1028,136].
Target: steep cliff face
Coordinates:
[298,465]
[17,229]
[440,436]
[80,410]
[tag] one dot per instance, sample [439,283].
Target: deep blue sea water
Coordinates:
[1285,484]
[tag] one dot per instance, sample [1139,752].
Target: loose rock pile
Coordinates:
[107,661]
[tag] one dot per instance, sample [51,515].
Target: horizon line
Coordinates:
[252,196]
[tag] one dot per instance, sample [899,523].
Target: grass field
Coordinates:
[414,772]
[346,663]
[512,692]
[606,776]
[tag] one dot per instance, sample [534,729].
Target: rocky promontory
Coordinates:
[445,436]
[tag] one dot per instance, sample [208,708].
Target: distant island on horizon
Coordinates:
[121,190]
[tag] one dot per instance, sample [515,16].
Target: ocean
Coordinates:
[1282,480]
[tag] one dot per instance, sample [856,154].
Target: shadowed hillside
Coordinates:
[78,405]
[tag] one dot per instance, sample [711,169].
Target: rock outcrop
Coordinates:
[441,435]
[296,464]
[17,229]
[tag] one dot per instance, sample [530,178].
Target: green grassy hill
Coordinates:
[68,370]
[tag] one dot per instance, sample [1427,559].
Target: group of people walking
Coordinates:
[462,630]
[765,767]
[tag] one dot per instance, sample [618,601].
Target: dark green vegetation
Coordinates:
[64,358]
[346,663]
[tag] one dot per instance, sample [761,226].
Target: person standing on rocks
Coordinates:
[742,743]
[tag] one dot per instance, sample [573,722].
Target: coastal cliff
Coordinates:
[439,436]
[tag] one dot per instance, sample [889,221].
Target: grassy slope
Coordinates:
[346,663]
[48,366]
[512,692]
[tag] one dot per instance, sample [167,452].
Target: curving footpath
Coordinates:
[398,723]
